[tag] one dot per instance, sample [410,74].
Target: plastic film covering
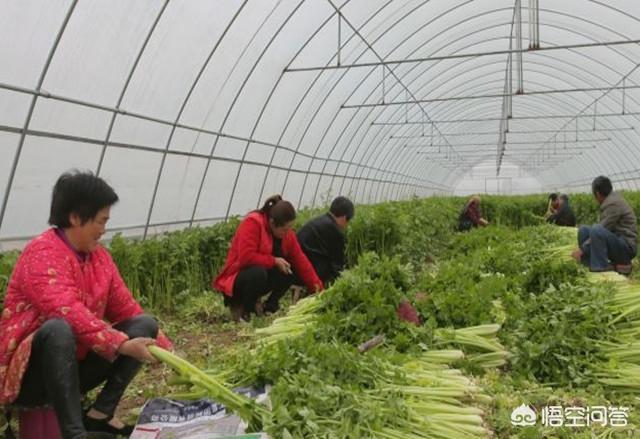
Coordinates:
[197,111]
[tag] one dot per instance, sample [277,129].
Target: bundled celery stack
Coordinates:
[484,349]
[622,370]
[300,317]
[330,390]
[560,329]
[481,340]
[571,334]
[322,385]
[621,349]
[363,303]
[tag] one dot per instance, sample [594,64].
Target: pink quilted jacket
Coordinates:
[48,282]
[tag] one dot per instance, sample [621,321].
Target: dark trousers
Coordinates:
[601,247]
[255,281]
[54,376]
[325,272]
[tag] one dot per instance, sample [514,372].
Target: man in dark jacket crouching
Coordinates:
[322,239]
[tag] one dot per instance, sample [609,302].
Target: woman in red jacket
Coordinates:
[471,215]
[264,257]
[54,342]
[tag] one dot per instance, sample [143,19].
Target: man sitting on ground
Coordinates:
[611,244]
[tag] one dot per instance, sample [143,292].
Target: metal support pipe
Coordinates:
[135,147]
[475,154]
[380,58]
[492,96]
[531,37]
[464,55]
[221,134]
[527,132]
[537,117]
[595,102]
[507,101]
[510,86]
[339,37]
[403,166]
[123,91]
[455,145]
[297,106]
[536,26]
[383,83]
[624,93]
[466,153]
[520,87]
[194,83]
[121,111]
[360,125]
[27,122]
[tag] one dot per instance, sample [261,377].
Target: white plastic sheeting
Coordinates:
[197,110]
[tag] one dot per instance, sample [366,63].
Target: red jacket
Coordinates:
[50,282]
[473,212]
[253,245]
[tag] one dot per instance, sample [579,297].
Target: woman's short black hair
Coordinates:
[601,185]
[342,206]
[81,193]
[553,196]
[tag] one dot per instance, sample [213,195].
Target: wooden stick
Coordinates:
[368,345]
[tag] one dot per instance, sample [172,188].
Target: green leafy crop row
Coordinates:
[168,270]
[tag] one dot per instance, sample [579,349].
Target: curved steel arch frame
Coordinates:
[27,122]
[462,92]
[364,51]
[352,180]
[401,169]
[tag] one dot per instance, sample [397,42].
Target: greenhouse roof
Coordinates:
[198,110]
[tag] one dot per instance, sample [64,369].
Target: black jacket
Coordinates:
[324,244]
[563,217]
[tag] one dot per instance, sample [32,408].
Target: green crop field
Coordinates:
[508,318]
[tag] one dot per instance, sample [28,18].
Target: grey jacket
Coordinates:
[617,216]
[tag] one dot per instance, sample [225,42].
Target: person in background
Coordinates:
[264,257]
[552,205]
[611,244]
[471,215]
[55,345]
[323,239]
[564,214]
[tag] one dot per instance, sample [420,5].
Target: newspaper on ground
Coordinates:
[163,418]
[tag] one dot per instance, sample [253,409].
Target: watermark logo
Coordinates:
[523,416]
[559,416]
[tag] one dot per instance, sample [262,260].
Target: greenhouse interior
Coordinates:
[319,219]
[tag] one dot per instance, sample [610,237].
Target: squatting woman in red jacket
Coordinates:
[264,257]
[55,344]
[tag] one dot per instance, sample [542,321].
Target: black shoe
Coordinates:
[270,308]
[94,426]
